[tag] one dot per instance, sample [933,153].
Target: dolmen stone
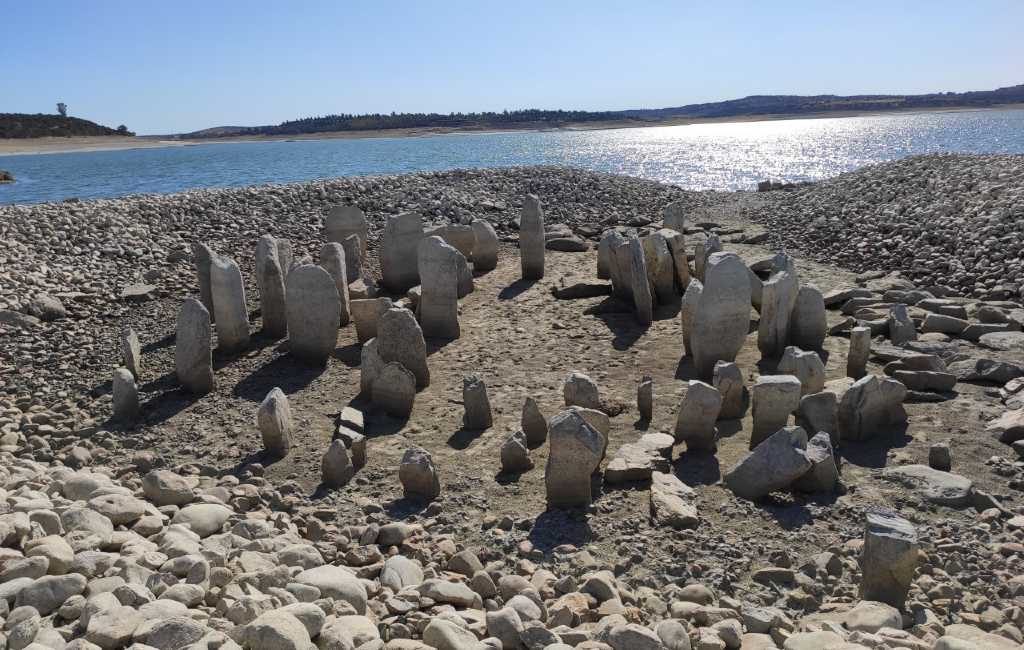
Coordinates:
[661,271]
[125,396]
[270,282]
[773,398]
[727,379]
[476,404]
[354,256]
[901,327]
[394,390]
[888,559]
[824,472]
[576,450]
[531,239]
[366,313]
[820,412]
[640,288]
[418,475]
[860,350]
[604,254]
[193,361]
[399,251]
[485,247]
[353,440]
[458,236]
[871,406]
[465,275]
[399,338]
[533,422]
[722,318]
[695,423]
[274,420]
[580,390]
[131,352]
[673,216]
[778,298]
[635,461]
[344,221]
[370,365]
[939,457]
[680,264]
[672,502]
[336,468]
[515,454]
[333,260]
[314,311]
[439,298]
[688,313]
[937,486]
[808,325]
[805,366]
[202,257]
[772,465]
[599,421]
[619,271]
[645,398]
[231,314]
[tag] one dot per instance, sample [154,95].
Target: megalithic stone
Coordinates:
[808,325]
[202,257]
[722,318]
[353,258]
[274,420]
[270,280]
[229,304]
[619,266]
[888,559]
[643,303]
[531,239]
[399,338]
[485,250]
[343,221]
[673,216]
[860,350]
[131,352]
[688,313]
[575,452]
[439,302]
[660,267]
[333,260]
[778,297]
[398,252]
[314,312]
[193,361]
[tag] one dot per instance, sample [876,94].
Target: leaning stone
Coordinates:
[366,313]
[778,298]
[531,239]
[728,380]
[700,260]
[580,390]
[533,422]
[232,315]
[515,454]
[131,352]
[871,406]
[399,251]
[772,465]
[860,350]
[901,327]
[576,450]
[645,398]
[270,281]
[476,404]
[820,412]
[314,312]
[695,423]
[418,475]
[274,419]
[660,268]
[485,248]
[808,324]
[888,559]
[672,502]
[824,473]
[805,366]
[354,441]
[643,304]
[939,487]
[399,338]
[333,260]
[439,298]
[723,313]
[202,257]
[125,396]
[370,365]
[336,468]
[394,390]
[688,313]
[604,255]
[618,264]
[773,398]
[680,264]
[344,221]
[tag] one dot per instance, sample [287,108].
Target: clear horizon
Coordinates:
[160,69]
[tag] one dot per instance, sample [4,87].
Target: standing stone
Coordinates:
[354,254]
[535,425]
[332,260]
[342,222]
[773,465]
[673,216]
[824,473]
[485,248]
[820,412]
[399,248]
[476,403]
[680,264]
[756,289]
[131,352]
[394,390]
[370,365]
[645,398]
[712,245]
[688,313]
[773,398]
[618,264]
[805,366]
[939,457]
[660,268]
[723,313]
[871,406]
[125,396]
[232,316]
[270,281]
[284,252]
[604,255]
[778,298]
[888,559]
[366,313]
[643,303]
[193,362]
[695,423]
[728,380]
[531,239]
[439,298]
[576,449]
[465,276]
[418,475]
[458,236]
[808,325]
[699,260]
[860,350]
[399,338]
[515,454]
[202,258]
[598,421]
[580,390]
[274,419]
[901,327]
[314,312]
[336,468]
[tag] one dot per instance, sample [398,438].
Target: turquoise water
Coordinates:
[725,156]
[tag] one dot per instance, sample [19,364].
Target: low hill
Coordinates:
[40,125]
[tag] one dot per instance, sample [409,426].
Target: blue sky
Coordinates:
[165,67]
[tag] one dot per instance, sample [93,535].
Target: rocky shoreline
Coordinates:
[173,532]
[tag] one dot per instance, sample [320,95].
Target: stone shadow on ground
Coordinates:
[257,343]
[697,468]
[874,452]
[686,370]
[790,513]
[165,342]
[285,372]
[350,355]
[624,327]
[464,437]
[515,289]
[262,457]
[403,507]
[553,528]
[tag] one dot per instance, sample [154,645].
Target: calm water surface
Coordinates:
[723,156]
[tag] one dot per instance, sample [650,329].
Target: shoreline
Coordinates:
[42,146]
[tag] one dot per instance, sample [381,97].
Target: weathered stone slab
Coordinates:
[824,472]
[232,316]
[939,487]
[728,380]
[901,327]
[202,257]
[274,419]
[772,465]
[418,475]
[773,398]
[695,423]
[722,318]
[672,502]
[125,396]
[485,248]
[820,412]
[688,313]
[575,452]
[643,303]
[535,425]
[476,404]
[399,250]
[131,352]
[399,338]
[660,267]
[673,216]
[366,313]
[333,260]
[394,390]
[580,390]
[314,312]
[871,406]
[778,298]
[515,454]
[439,301]
[342,222]
[645,398]
[531,239]
[808,324]
[271,284]
[805,366]
[888,559]
[193,361]
[680,264]
[860,350]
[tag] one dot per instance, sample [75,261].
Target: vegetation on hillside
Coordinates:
[26,125]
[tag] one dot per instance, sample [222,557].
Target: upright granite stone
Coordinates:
[465,276]
[399,338]
[673,216]
[712,245]
[370,365]
[901,327]
[515,454]
[820,412]
[202,257]
[699,260]
[458,236]
[722,317]
[728,381]
[366,313]
[485,248]
[805,366]
[778,298]
[336,468]
[270,281]
[576,450]
[661,270]
[773,398]
[394,390]
[531,239]
[860,350]
[870,407]
[332,260]
[643,303]
[354,256]
[645,398]
[125,396]
[476,404]
[314,312]
[680,264]
[618,265]
[888,559]
[533,422]
[604,255]
[232,315]
[131,352]
[284,252]
[193,361]
[439,298]
[274,420]
[695,423]
[418,475]
[342,222]
[808,324]
[399,251]
[580,390]
[688,313]
[772,465]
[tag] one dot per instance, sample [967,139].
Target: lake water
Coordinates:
[724,156]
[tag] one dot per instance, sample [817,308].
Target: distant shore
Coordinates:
[15,147]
